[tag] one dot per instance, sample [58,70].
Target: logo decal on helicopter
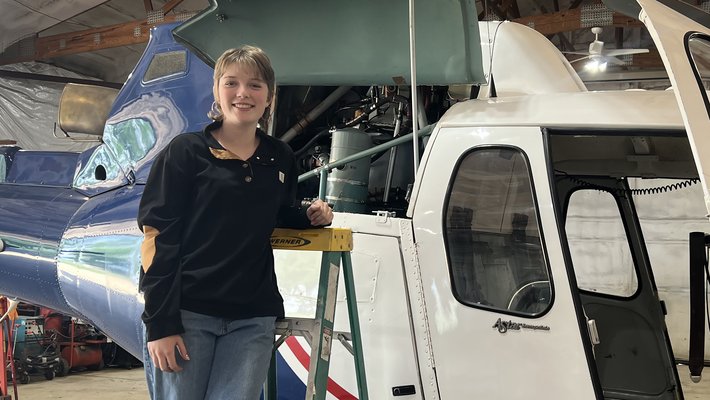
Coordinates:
[504,326]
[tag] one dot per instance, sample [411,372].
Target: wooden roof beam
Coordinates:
[167,7]
[128,33]
[570,20]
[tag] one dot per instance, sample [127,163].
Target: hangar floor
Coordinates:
[122,384]
[108,384]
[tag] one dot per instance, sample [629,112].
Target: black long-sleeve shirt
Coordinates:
[207,217]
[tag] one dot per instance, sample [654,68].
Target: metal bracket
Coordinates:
[383,216]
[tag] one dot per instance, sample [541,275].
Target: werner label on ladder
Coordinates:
[336,244]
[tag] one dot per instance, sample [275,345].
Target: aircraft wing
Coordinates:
[325,42]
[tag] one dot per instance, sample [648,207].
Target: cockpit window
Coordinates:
[492,235]
[126,143]
[699,50]
[166,64]
[598,244]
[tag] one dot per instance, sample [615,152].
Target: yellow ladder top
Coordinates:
[322,239]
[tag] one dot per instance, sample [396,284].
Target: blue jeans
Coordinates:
[229,359]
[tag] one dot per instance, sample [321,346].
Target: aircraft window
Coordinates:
[166,64]
[597,241]
[126,143]
[699,49]
[130,140]
[100,160]
[492,236]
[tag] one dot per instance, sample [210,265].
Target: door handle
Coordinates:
[593,332]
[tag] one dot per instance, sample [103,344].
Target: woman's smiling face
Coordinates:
[243,95]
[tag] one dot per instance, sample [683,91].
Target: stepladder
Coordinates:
[335,245]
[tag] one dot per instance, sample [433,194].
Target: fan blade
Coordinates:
[613,60]
[624,52]
[579,59]
[580,53]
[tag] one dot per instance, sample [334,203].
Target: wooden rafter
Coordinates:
[170,5]
[128,33]
[570,20]
[515,10]
[565,44]
[493,6]
[575,4]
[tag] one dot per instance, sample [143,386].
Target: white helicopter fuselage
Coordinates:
[439,290]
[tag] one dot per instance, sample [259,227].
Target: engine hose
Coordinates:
[305,147]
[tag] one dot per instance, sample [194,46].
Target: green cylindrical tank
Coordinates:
[347,186]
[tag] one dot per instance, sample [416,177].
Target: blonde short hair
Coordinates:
[250,57]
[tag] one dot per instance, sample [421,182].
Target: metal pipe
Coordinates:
[413,71]
[426,131]
[423,121]
[393,155]
[349,281]
[59,79]
[323,184]
[314,113]
[71,346]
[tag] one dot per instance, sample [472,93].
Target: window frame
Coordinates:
[632,252]
[544,253]
[694,65]
[169,76]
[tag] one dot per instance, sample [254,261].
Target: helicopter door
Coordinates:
[633,357]
[501,312]
[682,35]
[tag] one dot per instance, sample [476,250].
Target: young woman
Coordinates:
[209,206]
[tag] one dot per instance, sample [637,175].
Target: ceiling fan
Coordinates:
[599,57]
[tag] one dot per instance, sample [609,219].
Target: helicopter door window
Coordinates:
[492,236]
[699,50]
[598,244]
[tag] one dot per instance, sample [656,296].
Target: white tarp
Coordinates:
[28,109]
